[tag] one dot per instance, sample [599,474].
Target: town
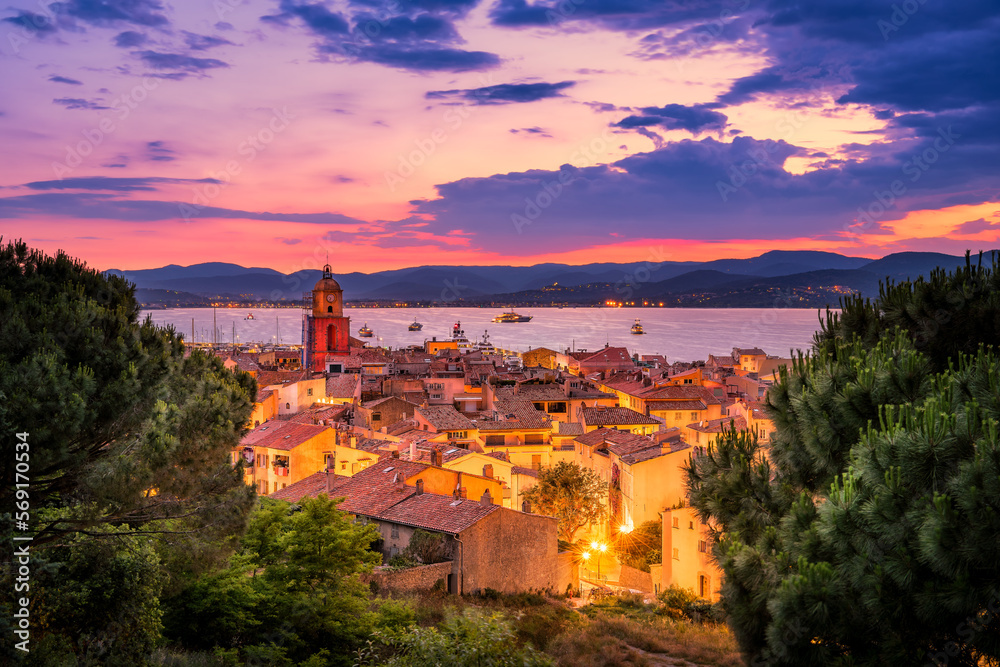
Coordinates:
[450,437]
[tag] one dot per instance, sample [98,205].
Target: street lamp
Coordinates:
[586,558]
[598,548]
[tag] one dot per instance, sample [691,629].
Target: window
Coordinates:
[275,486]
[678,416]
[694,416]
[395,532]
[376,416]
[262,487]
[262,460]
[676,554]
[691,525]
[688,381]
[558,408]
[534,438]
[458,435]
[702,546]
[499,440]
[343,465]
[677,522]
[283,485]
[256,423]
[536,461]
[435,395]
[702,586]
[309,391]
[288,406]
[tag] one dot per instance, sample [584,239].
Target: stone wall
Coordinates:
[420,578]
[636,580]
[510,552]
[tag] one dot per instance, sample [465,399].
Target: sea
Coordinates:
[679,334]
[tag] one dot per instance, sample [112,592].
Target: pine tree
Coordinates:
[868,533]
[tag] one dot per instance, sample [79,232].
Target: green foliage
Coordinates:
[867,533]
[678,602]
[470,639]
[642,547]
[573,494]
[426,547]
[95,602]
[116,411]
[292,595]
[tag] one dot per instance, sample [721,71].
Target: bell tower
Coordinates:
[325,330]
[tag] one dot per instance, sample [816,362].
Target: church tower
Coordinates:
[325,331]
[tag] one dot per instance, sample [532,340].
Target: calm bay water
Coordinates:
[678,333]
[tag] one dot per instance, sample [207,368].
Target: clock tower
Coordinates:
[325,331]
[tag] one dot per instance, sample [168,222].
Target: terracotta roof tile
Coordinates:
[445,418]
[282,435]
[614,417]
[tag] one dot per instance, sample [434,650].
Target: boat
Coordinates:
[249,317]
[485,346]
[637,328]
[511,317]
[365,332]
[458,336]
[416,326]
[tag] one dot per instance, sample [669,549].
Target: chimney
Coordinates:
[420,487]
[437,458]
[331,467]
[488,470]
[413,450]
[555,427]
[526,507]
[395,453]
[486,499]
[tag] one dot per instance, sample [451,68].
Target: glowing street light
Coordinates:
[599,548]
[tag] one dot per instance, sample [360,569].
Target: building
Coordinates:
[325,331]
[622,419]
[687,557]
[489,546]
[281,453]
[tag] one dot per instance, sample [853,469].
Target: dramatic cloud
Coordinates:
[78,103]
[694,119]
[95,206]
[609,14]
[157,151]
[536,131]
[976,227]
[63,79]
[505,93]
[107,183]
[416,36]
[181,64]
[130,39]
[203,42]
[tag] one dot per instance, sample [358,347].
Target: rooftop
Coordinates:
[284,435]
[615,417]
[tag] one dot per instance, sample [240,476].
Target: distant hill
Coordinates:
[812,275]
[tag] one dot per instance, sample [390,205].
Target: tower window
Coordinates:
[329,309]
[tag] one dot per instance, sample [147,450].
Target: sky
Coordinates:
[392,133]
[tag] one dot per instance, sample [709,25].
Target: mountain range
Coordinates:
[806,278]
